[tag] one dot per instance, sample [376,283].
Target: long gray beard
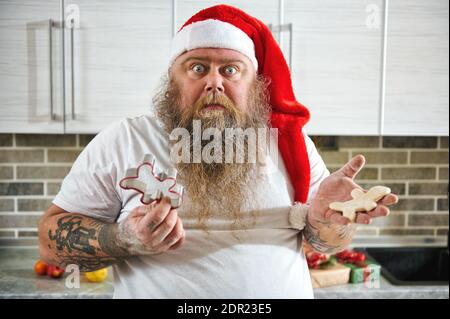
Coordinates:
[216,189]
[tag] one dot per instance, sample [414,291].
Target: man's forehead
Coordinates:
[214,55]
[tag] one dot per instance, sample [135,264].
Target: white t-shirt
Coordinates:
[262,262]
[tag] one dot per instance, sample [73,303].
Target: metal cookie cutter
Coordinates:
[153,185]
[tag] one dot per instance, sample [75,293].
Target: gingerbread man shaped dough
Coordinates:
[361,201]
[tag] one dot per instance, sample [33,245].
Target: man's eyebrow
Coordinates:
[207,59]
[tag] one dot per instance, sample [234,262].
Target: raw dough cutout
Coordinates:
[361,201]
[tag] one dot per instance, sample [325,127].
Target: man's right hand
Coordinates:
[151,229]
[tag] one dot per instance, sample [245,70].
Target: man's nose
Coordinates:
[214,83]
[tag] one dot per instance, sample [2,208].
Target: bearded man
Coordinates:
[234,236]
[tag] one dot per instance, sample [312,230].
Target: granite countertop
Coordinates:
[385,290]
[18,280]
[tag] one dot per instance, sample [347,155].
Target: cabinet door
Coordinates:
[417,68]
[265,10]
[30,67]
[336,63]
[119,53]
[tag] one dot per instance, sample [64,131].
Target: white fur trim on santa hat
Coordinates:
[212,33]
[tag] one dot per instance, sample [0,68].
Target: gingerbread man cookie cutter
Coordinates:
[153,185]
[361,201]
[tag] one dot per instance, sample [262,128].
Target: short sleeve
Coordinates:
[319,170]
[90,186]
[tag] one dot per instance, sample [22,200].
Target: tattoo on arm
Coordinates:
[312,236]
[88,243]
[87,263]
[328,238]
[108,241]
[72,236]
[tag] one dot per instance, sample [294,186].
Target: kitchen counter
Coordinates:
[385,290]
[17,280]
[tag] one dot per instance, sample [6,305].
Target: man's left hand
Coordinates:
[337,188]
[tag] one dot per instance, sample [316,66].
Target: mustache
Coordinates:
[173,113]
[213,99]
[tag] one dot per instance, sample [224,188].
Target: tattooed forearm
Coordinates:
[86,263]
[84,241]
[312,236]
[109,242]
[70,235]
[328,238]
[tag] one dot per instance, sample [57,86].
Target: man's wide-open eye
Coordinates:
[230,70]
[198,68]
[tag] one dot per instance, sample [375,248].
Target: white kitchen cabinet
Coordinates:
[336,63]
[265,10]
[30,67]
[417,68]
[117,52]
[115,60]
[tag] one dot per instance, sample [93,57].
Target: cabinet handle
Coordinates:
[50,58]
[72,70]
[290,45]
[280,28]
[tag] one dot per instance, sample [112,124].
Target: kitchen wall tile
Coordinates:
[405,173]
[85,139]
[359,141]
[394,219]
[407,231]
[442,204]
[53,188]
[376,157]
[21,156]
[325,142]
[433,157]
[443,173]
[36,172]
[45,140]
[444,141]
[413,204]
[396,188]
[334,157]
[33,205]
[7,233]
[428,188]
[19,220]
[409,142]
[367,173]
[27,233]
[421,184]
[6,205]
[428,220]
[10,189]
[6,139]
[66,156]
[6,172]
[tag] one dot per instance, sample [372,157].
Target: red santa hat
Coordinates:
[227,27]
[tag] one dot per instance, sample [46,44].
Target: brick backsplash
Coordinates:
[32,167]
